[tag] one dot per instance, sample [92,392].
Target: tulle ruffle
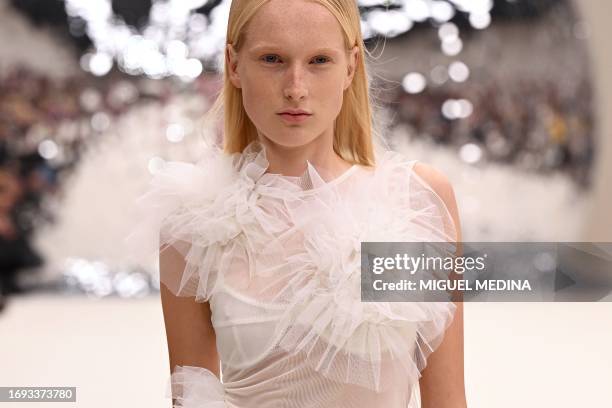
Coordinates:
[366,344]
[294,243]
[195,387]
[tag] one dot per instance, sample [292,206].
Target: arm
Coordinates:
[189,331]
[442,383]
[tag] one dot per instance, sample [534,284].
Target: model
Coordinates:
[260,240]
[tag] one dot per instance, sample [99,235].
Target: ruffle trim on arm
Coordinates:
[195,387]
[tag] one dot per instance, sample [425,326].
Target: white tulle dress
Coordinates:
[278,258]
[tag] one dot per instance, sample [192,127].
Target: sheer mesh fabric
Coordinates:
[278,258]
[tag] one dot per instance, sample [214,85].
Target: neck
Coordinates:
[291,160]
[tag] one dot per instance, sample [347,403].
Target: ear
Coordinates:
[232,65]
[352,66]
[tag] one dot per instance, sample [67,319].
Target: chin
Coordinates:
[291,140]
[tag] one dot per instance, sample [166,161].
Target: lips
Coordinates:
[294,118]
[295,112]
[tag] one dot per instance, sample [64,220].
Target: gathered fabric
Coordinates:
[278,259]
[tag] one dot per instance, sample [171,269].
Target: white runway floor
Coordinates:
[517,354]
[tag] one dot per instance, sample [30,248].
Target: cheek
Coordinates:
[256,98]
[330,98]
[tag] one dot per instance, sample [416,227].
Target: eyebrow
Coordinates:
[270,47]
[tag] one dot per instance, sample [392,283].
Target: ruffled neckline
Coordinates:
[252,164]
[242,230]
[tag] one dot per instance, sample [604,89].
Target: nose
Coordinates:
[295,87]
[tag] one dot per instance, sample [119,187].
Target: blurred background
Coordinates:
[509,98]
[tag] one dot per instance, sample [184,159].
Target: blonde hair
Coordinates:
[353,129]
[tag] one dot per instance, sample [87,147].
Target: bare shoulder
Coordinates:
[436,179]
[439,182]
[442,383]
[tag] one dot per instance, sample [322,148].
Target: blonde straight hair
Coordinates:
[353,129]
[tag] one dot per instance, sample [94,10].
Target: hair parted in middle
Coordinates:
[353,128]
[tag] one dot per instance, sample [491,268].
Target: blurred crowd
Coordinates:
[45,126]
[534,124]
[26,102]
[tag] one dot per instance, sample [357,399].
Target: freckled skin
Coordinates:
[294,73]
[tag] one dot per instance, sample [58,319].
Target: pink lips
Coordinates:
[294,118]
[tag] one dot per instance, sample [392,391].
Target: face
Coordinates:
[288,61]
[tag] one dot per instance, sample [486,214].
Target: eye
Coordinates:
[321,57]
[265,58]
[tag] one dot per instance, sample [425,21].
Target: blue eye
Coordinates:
[323,57]
[266,56]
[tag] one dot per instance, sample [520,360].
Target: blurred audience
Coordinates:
[527,123]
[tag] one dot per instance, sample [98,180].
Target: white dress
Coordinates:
[278,258]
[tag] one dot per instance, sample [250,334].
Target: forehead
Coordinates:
[294,23]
